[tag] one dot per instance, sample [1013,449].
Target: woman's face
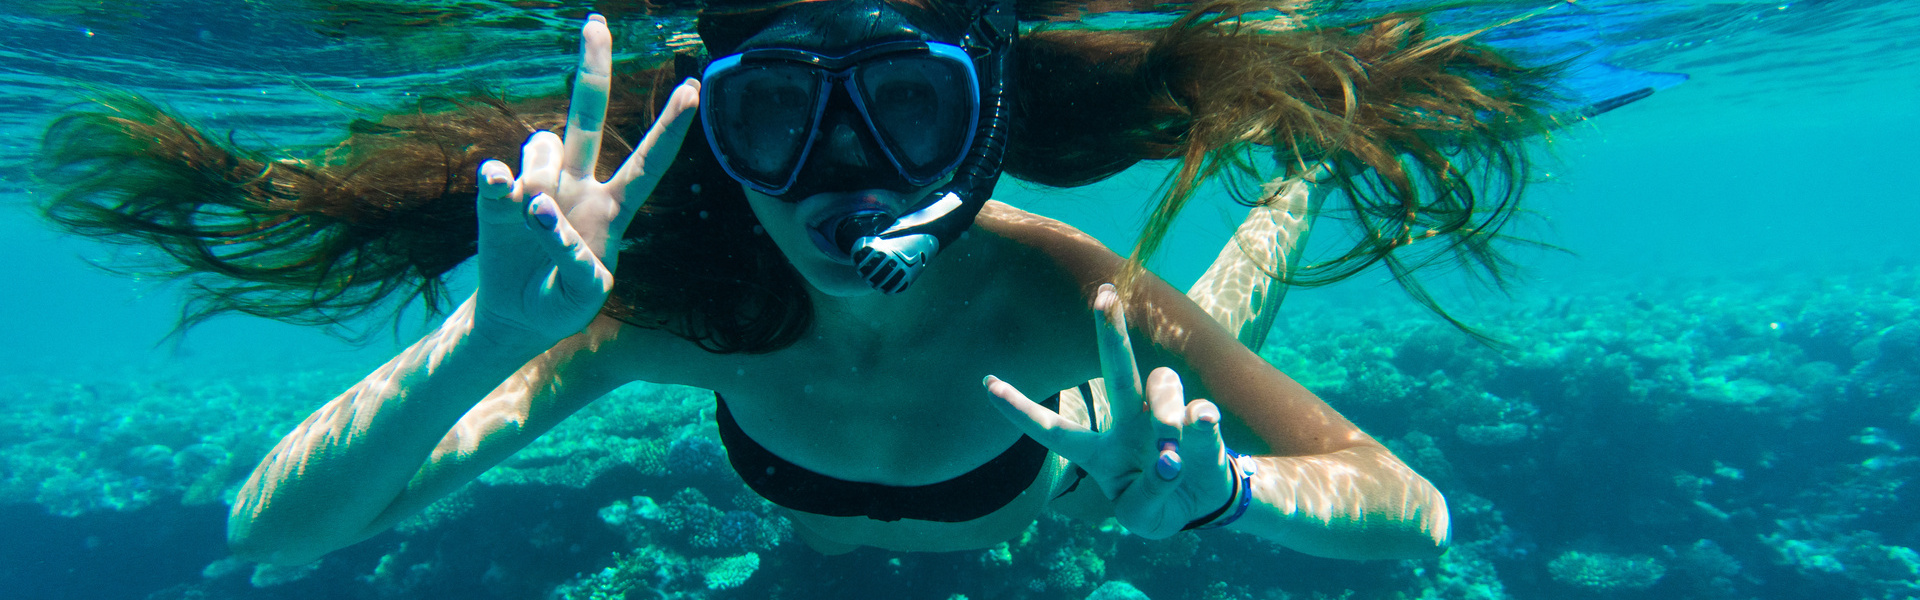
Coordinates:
[800,229]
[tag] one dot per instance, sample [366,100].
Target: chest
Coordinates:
[858,402]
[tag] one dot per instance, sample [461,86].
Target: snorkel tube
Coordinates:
[891,255]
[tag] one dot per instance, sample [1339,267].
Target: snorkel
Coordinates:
[890,254]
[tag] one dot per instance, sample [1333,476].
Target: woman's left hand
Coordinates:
[1161,461]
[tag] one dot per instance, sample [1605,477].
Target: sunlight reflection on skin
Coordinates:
[1349,497]
[510,403]
[1241,290]
[482,429]
[1344,492]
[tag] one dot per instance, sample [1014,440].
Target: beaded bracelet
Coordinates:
[1242,489]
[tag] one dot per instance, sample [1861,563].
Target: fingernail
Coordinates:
[544,212]
[1169,465]
[493,172]
[597,17]
[988,381]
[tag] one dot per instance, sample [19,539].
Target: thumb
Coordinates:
[578,274]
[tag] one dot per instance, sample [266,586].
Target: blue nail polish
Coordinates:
[543,211]
[1168,467]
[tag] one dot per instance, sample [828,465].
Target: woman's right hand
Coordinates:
[549,238]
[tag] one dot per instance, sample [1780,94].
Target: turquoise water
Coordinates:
[1712,394]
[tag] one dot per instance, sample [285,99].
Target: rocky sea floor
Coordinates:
[1711,439]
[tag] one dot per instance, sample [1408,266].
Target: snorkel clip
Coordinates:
[892,259]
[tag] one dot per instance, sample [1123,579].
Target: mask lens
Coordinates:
[922,109]
[762,118]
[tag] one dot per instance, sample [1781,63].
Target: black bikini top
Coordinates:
[970,496]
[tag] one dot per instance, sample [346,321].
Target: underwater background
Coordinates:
[1710,394]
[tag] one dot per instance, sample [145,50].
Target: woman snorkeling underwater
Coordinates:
[806,231]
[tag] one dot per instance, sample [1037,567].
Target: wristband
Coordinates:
[1242,490]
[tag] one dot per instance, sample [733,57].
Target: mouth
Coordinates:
[835,210]
[821,236]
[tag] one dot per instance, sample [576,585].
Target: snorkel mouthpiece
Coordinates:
[891,264]
[891,260]
[847,232]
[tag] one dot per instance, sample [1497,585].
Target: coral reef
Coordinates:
[638,426]
[1716,440]
[1117,590]
[731,572]
[1599,571]
[122,444]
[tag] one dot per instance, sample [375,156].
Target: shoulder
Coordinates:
[1166,316]
[1084,258]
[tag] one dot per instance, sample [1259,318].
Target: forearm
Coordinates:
[334,474]
[1360,503]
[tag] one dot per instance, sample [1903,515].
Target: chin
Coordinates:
[837,280]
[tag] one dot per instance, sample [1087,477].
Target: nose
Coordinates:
[844,146]
[846,156]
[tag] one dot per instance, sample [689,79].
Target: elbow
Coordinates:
[1396,545]
[1427,547]
[247,541]
[253,550]
[1429,527]
[1419,530]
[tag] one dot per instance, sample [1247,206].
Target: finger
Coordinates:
[587,113]
[540,164]
[1152,495]
[1167,399]
[496,201]
[577,273]
[1125,399]
[1038,422]
[1116,351]
[637,177]
[1200,437]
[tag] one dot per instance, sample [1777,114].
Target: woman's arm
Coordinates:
[1244,286]
[1322,486]
[1360,503]
[398,440]
[407,434]
[1316,504]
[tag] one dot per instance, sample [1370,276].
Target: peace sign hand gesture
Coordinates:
[546,265]
[1162,461]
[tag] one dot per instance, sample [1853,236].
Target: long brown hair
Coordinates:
[1426,134]
[1402,116]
